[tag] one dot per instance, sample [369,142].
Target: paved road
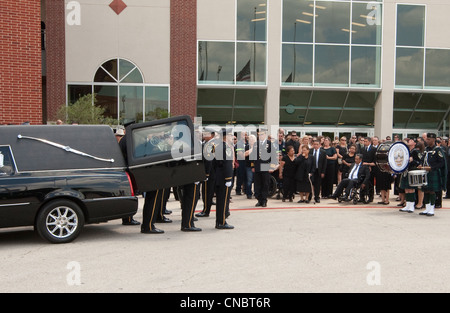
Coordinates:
[286,247]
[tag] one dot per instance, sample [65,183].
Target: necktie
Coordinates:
[354,173]
[316,155]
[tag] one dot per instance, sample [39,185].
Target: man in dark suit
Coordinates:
[320,166]
[265,155]
[369,153]
[358,175]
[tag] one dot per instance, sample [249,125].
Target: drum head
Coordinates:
[398,157]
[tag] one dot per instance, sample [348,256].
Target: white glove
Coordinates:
[228,184]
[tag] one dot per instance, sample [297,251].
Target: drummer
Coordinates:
[410,194]
[436,166]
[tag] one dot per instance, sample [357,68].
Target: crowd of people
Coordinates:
[315,168]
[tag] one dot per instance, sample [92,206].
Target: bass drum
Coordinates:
[392,157]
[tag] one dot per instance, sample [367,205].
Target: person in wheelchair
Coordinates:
[358,177]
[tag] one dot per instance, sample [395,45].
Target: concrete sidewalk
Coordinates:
[286,247]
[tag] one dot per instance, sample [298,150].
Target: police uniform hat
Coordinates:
[431,135]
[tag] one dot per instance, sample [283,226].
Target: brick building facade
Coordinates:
[20,62]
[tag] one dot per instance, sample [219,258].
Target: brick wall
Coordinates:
[20,62]
[56,60]
[183,56]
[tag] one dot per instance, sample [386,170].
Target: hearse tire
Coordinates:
[60,221]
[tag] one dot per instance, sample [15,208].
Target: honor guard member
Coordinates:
[189,198]
[152,205]
[208,185]
[410,191]
[223,164]
[435,164]
[265,156]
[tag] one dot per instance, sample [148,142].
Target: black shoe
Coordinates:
[317,200]
[168,212]
[264,204]
[238,193]
[192,228]
[152,231]
[258,204]
[334,197]
[249,196]
[131,222]
[163,220]
[224,226]
[202,214]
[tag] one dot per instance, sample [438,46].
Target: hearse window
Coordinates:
[159,139]
[6,161]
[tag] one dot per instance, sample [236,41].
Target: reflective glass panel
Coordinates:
[131,104]
[156,103]
[298,26]
[332,22]
[109,67]
[297,64]
[251,20]
[366,66]
[75,92]
[437,68]
[106,97]
[332,65]
[366,23]
[251,63]
[357,117]
[215,62]
[409,68]
[410,25]
[125,67]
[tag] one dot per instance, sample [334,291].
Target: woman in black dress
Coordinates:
[348,160]
[330,173]
[305,166]
[287,173]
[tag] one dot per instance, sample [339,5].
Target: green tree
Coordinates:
[84,111]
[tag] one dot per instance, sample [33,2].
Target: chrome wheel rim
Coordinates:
[61,222]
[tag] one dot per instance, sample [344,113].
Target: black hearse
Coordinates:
[57,178]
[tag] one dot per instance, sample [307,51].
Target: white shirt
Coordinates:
[354,172]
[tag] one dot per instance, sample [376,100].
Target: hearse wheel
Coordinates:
[60,221]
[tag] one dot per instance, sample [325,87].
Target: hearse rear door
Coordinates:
[164,153]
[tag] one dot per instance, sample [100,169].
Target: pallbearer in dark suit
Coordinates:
[223,165]
[369,152]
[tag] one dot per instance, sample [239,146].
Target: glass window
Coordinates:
[332,21]
[130,105]
[251,20]
[357,117]
[156,103]
[219,106]
[366,23]
[251,63]
[409,67]
[366,66]
[437,68]
[75,92]
[332,65]
[293,106]
[298,21]
[215,62]
[107,98]
[7,165]
[410,25]
[297,64]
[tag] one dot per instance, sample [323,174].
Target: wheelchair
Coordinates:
[357,194]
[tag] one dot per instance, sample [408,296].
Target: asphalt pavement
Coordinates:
[287,247]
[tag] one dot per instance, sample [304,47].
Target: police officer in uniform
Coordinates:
[152,205]
[190,194]
[223,165]
[208,185]
[436,166]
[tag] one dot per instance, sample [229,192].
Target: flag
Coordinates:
[244,74]
[289,79]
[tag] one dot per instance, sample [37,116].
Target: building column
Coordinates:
[272,107]
[183,57]
[56,57]
[384,107]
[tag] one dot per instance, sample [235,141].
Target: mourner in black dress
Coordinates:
[287,173]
